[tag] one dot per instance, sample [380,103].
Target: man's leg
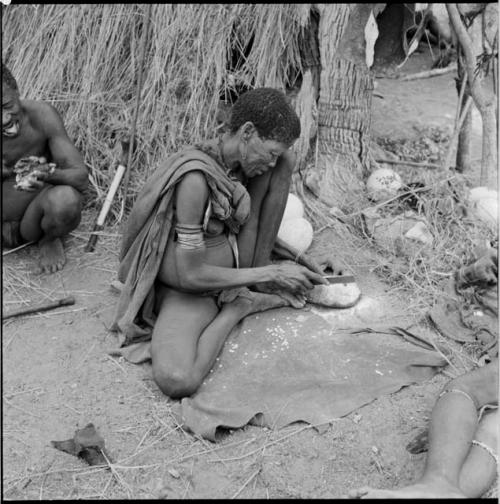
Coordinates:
[189,334]
[452,428]
[54,213]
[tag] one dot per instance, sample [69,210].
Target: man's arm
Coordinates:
[70,168]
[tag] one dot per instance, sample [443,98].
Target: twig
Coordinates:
[409,163]
[20,409]
[117,363]
[185,457]
[117,476]
[72,409]
[86,355]
[10,395]
[247,482]
[268,444]
[7,252]
[430,73]
[43,481]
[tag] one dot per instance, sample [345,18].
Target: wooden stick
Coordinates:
[99,224]
[42,307]
[430,73]
[7,252]
[137,102]
[409,163]
[456,132]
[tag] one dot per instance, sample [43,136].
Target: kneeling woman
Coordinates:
[201,232]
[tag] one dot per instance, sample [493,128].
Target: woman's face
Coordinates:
[261,155]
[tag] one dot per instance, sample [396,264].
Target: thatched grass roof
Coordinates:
[85,60]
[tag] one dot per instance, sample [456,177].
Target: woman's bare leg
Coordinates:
[453,426]
[189,334]
[480,469]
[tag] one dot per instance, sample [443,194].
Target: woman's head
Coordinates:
[265,125]
[269,111]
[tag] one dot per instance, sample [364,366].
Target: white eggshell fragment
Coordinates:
[382,184]
[298,233]
[335,295]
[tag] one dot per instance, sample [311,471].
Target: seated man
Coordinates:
[462,459]
[49,207]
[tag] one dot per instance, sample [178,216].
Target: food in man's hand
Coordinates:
[28,169]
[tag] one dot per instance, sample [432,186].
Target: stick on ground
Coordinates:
[70,300]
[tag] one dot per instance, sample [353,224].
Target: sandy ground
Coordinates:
[57,377]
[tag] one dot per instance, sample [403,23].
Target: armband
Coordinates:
[190,236]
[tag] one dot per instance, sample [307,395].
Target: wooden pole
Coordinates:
[137,102]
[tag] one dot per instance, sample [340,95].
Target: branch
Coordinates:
[429,73]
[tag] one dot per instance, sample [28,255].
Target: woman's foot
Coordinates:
[431,489]
[247,302]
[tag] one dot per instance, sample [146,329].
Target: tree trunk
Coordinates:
[344,107]
[483,97]
[464,148]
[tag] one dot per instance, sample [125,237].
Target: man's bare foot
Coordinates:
[52,256]
[421,490]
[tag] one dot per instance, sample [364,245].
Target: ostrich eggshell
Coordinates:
[383,183]
[294,208]
[298,233]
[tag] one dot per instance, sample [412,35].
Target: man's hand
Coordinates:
[44,171]
[32,172]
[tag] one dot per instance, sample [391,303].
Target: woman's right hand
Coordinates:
[295,278]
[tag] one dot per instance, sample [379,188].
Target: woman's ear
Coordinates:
[247,130]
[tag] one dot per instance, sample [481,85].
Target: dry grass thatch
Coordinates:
[85,60]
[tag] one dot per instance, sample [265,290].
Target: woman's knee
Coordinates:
[175,382]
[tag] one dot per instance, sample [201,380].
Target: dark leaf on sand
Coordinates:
[86,444]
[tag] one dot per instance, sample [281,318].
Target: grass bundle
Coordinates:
[84,59]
